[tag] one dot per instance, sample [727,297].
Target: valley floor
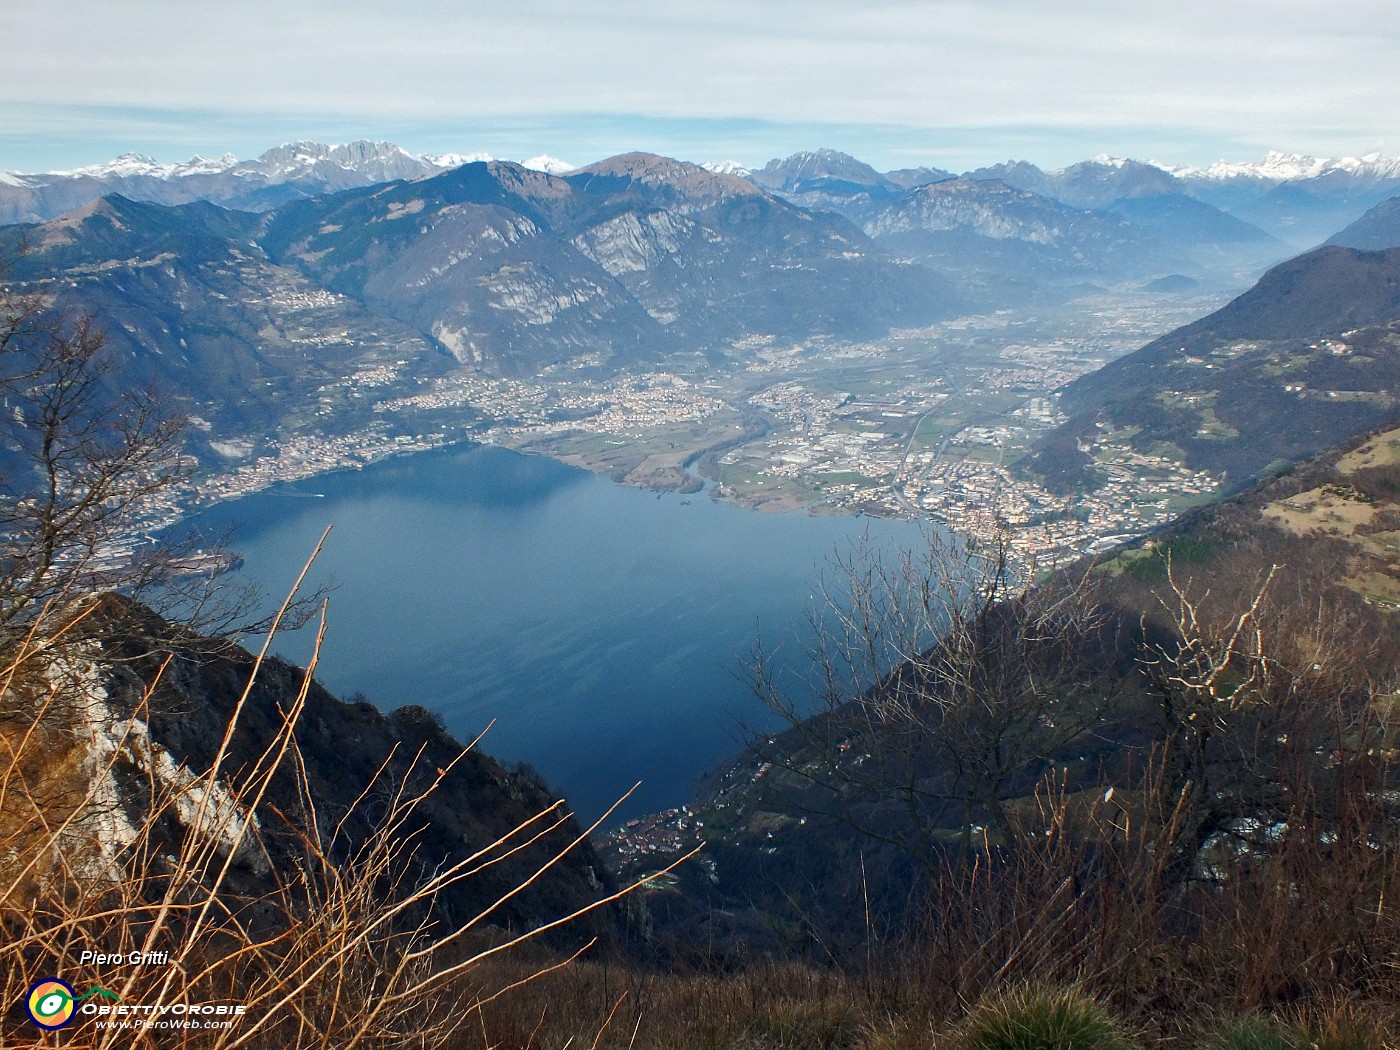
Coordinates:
[926,422]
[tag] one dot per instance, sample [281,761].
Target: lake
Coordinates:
[602,628]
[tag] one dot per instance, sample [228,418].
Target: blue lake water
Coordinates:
[603,628]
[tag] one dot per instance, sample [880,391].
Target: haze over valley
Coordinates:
[810,334]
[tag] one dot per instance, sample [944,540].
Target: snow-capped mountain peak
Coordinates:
[456,160]
[728,167]
[296,157]
[125,166]
[198,165]
[133,165]
[1275,166]
[547,164]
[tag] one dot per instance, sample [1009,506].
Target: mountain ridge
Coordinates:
[304,168]
[1303,360]
[1377,230]
[286,172]
[499,266]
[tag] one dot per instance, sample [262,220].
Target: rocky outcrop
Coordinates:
[140,741]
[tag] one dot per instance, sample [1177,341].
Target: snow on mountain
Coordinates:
[728,167]
[547,164]
[1289,167]
[808,166]
[456,160]
[386,160]
[282,162]
[133,165]
[303,168]
[125,166]
[198,165]
[377,160]
[289,159]
[294,169]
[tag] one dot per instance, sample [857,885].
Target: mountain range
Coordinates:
[284,173]
[1298,199]
[996,240]
[1099,222]
[190,302]
[1223,224]
[508,269]
[630,258]
[249,316]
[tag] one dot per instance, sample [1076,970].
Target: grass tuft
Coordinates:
[1251,1033]
[1344,1026]
[1044,1019]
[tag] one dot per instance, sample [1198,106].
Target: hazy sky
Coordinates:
[896,82]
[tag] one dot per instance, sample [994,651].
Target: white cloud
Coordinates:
[1295,74]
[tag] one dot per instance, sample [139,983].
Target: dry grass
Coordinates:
[1383,450]
[767,1005]
[1320,510]
[330,953]
[1305,936]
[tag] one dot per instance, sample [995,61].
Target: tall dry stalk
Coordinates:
[319,949]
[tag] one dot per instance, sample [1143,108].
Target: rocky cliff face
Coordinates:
[625,260]
[119,733]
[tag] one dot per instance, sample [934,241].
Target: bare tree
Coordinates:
[80,459]
[1258,690]
[945,686]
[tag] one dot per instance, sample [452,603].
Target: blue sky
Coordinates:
[897,83]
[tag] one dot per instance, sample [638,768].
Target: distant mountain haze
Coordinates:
[1298,199]
[1104,221]
[375,258]
[1377,230]
[284,173]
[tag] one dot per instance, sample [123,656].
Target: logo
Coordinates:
[53,1004]
[50,1003]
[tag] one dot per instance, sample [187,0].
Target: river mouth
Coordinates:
[599,630]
